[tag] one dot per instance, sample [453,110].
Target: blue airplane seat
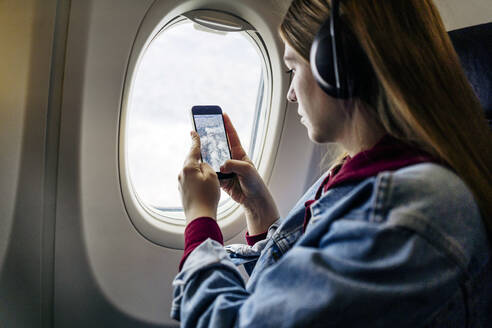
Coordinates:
[474,47]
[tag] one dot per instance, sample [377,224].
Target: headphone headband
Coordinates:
[335,40]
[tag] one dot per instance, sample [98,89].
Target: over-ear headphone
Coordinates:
[337,67]
[325,60]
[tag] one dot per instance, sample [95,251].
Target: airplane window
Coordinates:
[187,64]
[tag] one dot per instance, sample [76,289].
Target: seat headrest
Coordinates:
[474,47]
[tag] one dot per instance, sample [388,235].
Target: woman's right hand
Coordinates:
[247,187]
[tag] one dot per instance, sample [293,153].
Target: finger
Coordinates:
[194,154]
[236,148]
[241,168]
[226,183]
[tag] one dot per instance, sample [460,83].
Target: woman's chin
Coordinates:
[317,137]
[314,137]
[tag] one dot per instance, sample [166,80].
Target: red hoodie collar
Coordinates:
[388,154]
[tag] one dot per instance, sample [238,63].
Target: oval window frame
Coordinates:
[166,230]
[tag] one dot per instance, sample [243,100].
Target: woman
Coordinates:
[396,233]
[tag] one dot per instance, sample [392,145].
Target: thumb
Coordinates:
[239,167]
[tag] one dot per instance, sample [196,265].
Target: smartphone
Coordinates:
[209,124]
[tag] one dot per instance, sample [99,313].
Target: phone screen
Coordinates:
[214,145]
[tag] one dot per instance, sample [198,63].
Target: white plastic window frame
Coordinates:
[164,228]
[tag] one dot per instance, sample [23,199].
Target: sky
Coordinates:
[181,68]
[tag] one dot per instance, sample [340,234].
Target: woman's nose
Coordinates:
[291,95]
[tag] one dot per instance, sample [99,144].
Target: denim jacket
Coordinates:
[406,248]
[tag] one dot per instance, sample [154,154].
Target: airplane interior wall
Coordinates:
[70,255]
[26,38]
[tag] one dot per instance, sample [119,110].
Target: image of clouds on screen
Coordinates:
[213,140]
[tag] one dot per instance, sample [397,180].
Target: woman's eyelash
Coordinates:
[290,71]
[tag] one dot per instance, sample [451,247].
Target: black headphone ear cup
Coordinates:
[322,60]
[353,65]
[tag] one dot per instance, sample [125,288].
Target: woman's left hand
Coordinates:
[199,185]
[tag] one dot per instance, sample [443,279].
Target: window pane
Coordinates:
[186,66]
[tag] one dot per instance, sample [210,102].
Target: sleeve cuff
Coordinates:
[251,240]
[198,231]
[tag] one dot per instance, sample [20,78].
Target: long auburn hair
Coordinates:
[418,90]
